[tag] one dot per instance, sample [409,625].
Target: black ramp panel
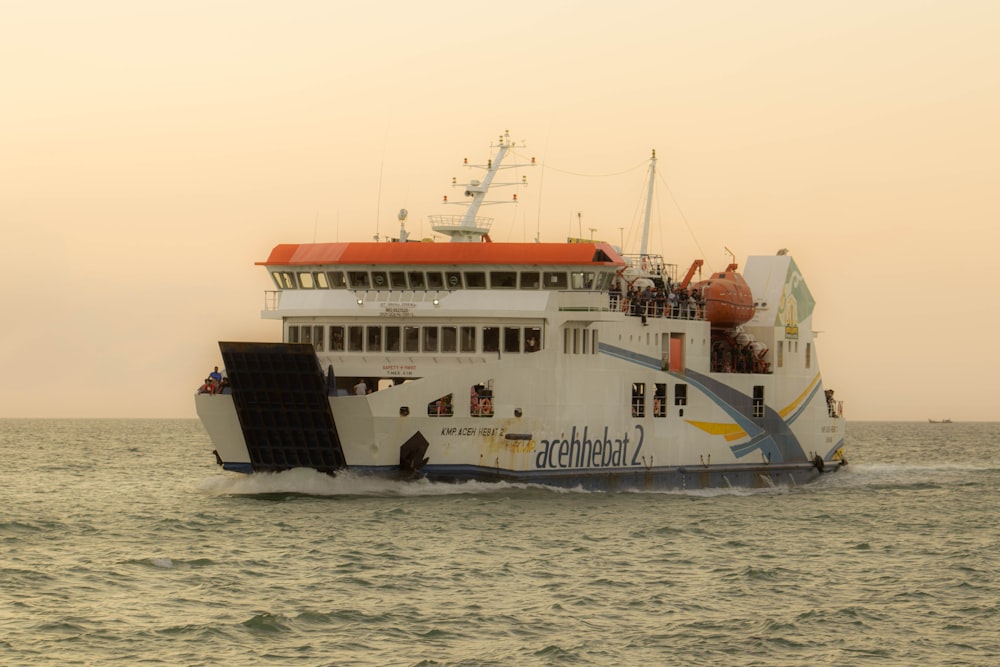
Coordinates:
[281,398]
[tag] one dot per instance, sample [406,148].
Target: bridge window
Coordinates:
[503,279]
[554,280]
[306,333]
[468,339]
[380,280]
[293,334]
[435,280]
[337,279]
[530,280]
[321,281]
[417,280]
[283,279]
[318,338]
[582,280]
[306,280]
[358,279]
[681,394]
[475,280]
[397,279]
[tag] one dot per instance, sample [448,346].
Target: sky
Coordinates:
[151,152]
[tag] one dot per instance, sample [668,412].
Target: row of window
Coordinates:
[659,407]
[417,338]
[444,280]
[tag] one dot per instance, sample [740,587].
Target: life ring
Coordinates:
[485,406]
[379,279]
[453,280]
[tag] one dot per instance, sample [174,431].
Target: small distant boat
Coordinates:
[941,421]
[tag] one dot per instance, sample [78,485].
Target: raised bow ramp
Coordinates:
[282,400]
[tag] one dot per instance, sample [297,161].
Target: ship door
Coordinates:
[672,352]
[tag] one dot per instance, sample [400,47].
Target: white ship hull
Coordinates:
[523,362]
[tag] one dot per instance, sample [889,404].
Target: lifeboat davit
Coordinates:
[727,298]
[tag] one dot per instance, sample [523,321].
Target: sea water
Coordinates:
[121,540]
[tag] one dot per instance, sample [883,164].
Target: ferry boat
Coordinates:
[567,364]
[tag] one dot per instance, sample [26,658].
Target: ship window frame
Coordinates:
[305,333]
[373,338]
[454,279]
[638,403]
[435,280]
[576,280]
[449,339]
[337,343]
[417,280]
[475,280]
[319,337]
[359,279]
[758,401]
[411,338]
[380,279]
[491,339]
[555,280]
[503,279]
[338,279]
[355,338]
[511,339]
[393,339]
[397,279]
[283,279]
[467,339]
[293,333]
[680,394]
[305,279]
[532,333]
[321,281]
[429,339]
[530,280]
[659,400]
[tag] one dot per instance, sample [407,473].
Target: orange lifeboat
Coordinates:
[727,298]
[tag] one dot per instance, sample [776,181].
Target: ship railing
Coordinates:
[442,223]
[272,300]
[647,308]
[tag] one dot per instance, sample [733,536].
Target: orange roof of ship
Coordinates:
[311,254]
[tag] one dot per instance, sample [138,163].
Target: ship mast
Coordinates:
[470,227]
[643,249]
